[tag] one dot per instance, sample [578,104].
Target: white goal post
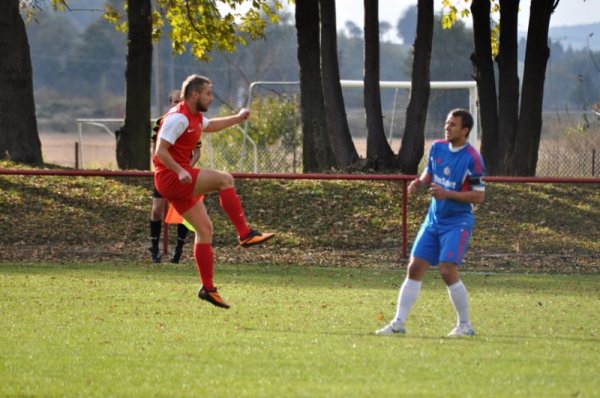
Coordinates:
[445,85]
[471,86]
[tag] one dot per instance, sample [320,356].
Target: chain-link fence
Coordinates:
[280,158]
[569,145]
[239,155]
[271,141]
[582,164]
[561,153]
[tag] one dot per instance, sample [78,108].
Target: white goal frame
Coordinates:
[447,85]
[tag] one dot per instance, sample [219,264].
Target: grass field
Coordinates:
[127,329]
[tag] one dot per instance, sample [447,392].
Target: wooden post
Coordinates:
[76,155]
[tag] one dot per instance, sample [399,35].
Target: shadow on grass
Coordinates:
[478,339]
[323,277]
[79,212]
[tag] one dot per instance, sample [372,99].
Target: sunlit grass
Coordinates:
[136,330]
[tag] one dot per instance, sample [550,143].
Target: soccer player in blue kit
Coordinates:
[454,178]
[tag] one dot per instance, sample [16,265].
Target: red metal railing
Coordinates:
[309,176]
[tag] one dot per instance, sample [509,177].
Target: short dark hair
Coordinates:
[465,117]
[193,83]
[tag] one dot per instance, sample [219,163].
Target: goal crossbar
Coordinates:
[443,85]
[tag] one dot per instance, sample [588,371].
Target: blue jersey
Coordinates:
[454,170]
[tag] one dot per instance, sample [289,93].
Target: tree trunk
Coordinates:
[413,140]
[133,139]
[525,155]
[483,68]
[317,153]
[379,154]
[19,137]
[508,82]
[335,110]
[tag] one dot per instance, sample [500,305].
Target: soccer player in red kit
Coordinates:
[183,186]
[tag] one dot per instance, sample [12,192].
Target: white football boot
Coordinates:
[464,330]
[391,329]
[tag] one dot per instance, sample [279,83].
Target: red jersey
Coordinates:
[182,129]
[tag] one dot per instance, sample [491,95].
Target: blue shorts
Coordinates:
[442,244]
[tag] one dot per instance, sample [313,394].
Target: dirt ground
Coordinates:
[97,150]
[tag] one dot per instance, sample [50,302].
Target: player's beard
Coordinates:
[201,107]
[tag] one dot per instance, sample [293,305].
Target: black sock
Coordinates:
[182,232]
[155,227]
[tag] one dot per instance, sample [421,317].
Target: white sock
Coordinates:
[409,291]
[460,299]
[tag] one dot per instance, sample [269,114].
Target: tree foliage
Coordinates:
[199,24]
[455,11]
[274,118]
[203,27]
[273,126]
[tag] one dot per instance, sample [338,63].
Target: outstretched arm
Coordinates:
[220,123]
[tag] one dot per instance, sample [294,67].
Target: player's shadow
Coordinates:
[478,339]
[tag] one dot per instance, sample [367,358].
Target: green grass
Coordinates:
[99,329]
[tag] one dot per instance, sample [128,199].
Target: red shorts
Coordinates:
[181,196]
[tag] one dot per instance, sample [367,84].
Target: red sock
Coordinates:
[203,254]
[232,205]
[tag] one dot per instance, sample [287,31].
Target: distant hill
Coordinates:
[577,37]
